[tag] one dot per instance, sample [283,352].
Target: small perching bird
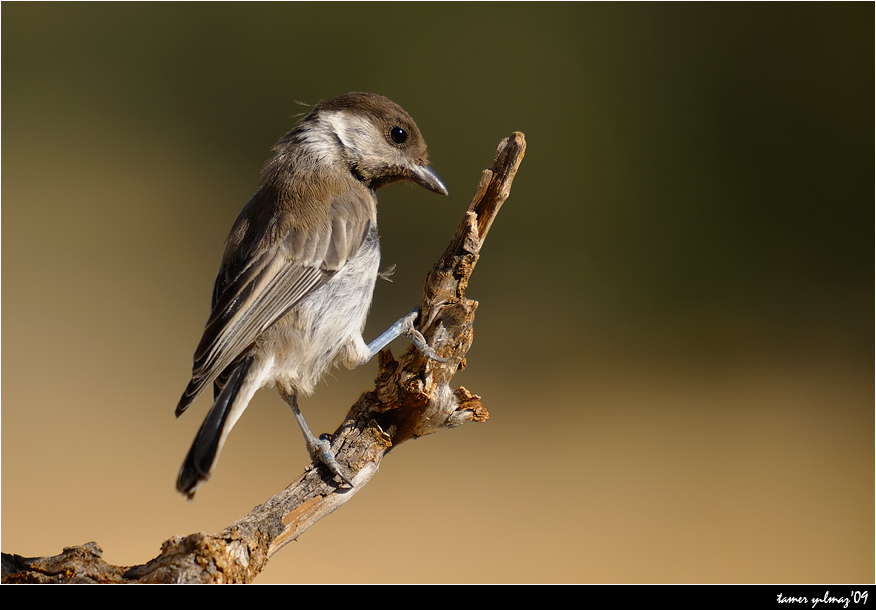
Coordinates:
[299,269]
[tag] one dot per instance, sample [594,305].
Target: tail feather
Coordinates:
[199,463]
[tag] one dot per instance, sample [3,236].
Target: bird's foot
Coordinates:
[321,451]
[407,329]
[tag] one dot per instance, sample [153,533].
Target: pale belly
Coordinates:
[324,329]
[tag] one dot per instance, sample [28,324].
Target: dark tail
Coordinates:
[202,456]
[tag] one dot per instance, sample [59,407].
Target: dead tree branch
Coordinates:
[412,397]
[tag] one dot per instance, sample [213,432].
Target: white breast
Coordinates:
[325,328]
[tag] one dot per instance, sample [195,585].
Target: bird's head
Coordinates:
[375,137]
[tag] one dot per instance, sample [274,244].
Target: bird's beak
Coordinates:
[426,177]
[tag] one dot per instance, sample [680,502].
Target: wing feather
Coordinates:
[248,298]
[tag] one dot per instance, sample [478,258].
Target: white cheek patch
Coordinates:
[356,133]
[321,141]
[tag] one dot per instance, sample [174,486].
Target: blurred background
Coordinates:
[675,332]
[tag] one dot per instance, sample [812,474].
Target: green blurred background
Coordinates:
[675,332]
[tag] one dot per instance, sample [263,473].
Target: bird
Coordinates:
[299,269]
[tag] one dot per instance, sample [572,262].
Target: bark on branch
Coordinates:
[412,397]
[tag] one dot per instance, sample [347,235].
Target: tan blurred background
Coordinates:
[675,336]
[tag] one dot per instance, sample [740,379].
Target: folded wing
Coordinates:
[252,294]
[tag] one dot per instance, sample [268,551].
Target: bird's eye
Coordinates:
[398,135]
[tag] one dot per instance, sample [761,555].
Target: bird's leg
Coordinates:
[320,449]
[405,326]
